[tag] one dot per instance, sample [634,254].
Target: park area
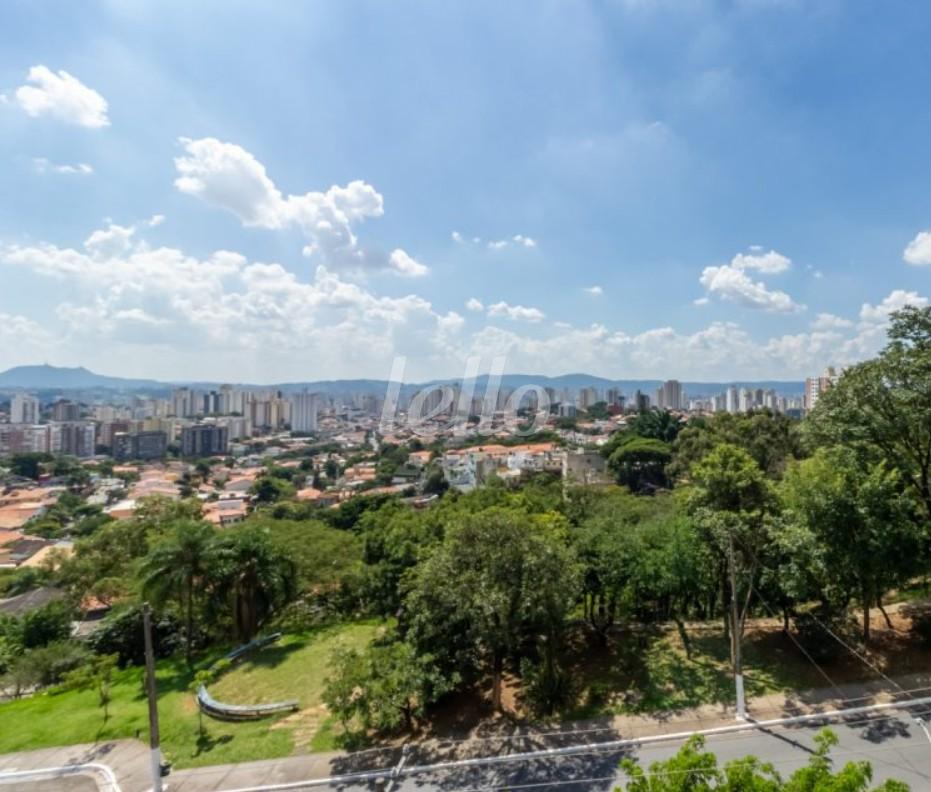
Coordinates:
[644,671]
[294,668]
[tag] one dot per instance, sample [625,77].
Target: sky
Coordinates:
[268,192]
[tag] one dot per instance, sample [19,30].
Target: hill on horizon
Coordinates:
[47,377]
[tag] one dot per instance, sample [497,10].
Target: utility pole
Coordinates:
[735,633]
[155,754]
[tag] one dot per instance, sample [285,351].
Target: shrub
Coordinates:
[121,634]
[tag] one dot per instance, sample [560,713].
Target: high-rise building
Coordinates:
[140,445]
[304,412]
[731,399]
[815,386]
[669,395]
[203,440]
[65,410]
[24,409]
[587,397]
[639,402]
[77,438]
[184,403]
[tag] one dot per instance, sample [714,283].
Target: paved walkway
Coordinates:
[129,758]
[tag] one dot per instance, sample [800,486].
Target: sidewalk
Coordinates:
[129,758]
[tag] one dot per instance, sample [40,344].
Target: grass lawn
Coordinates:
[295,669]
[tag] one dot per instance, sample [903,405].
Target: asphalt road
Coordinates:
[893,743]
[68,784]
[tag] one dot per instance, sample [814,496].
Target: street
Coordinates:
[894,745]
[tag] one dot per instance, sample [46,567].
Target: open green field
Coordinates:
[295,669]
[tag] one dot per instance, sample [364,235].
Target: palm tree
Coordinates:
[252,577]
[177,569]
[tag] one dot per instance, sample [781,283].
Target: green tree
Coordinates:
[639,463]
[655,425]
[177,569]
[269,489]
[693,769]
[500,578]
[855,533]
[383,688]
[29,464]
[96,674]
[45,625]
[882,408]
[732,502]
[772,439]
[251,577]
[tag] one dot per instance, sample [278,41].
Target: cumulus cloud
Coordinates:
[768,263]
[43,165]
[731,282]
[128,301]
[516,313]
[124,291]
[406,266]
[896,301]
[595,291]
[827,321]
[229,177]
[63,97]
[918,252]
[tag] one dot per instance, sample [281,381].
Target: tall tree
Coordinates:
[177,569]
[854,535]
[499,579]
[731,502]
[251,576]
[882,408]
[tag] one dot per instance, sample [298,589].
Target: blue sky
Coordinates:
[639,188]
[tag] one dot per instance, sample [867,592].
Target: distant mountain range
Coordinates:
[54,378]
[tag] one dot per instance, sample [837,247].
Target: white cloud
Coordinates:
[918,252]
[133,308]
[516,313]
[110,241]
[406,266]
[732,283]
[155,220]
[595,291]
[518,240]
[701,301]
[769,263]
[229,177]
[125,294]
[62,96]
[43,165]
[827,321]
[897,299]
